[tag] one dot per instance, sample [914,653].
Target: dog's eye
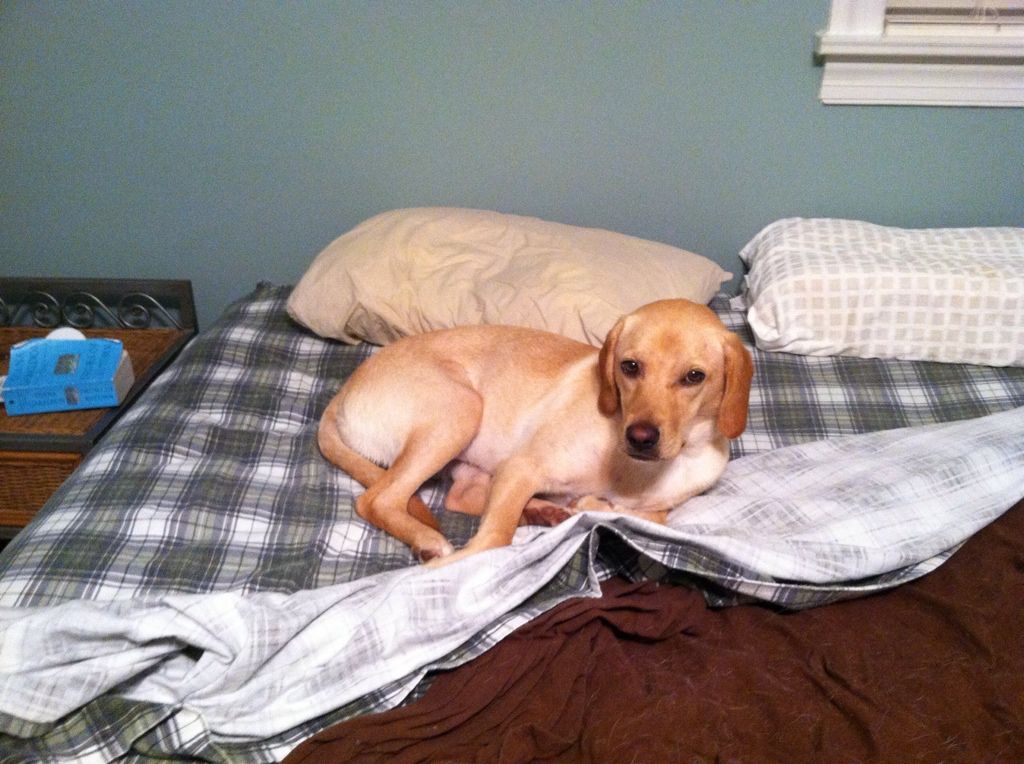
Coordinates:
[694,377]
[630,368]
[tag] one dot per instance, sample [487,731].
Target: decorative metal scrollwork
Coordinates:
[135,311]
[80,311]
[44,309]
[84,310]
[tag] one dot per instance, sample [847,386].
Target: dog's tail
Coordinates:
[364,471]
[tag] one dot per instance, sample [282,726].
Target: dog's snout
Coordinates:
[643,437]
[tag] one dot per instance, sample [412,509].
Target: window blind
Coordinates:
[955,17]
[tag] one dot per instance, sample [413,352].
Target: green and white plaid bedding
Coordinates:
[202,589]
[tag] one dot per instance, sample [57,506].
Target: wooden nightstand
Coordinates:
[154,320]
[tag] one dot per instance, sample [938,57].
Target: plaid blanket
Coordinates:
[201,587]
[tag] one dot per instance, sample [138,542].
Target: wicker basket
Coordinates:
[28,479]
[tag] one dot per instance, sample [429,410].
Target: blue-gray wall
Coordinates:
[227,142]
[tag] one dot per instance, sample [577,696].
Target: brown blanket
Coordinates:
[932,671]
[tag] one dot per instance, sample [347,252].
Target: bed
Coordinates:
[201,589]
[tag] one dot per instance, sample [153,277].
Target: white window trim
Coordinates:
[865,66]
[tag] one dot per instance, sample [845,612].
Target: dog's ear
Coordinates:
[608,398]
[739,370]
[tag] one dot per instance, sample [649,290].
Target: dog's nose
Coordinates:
[642,436]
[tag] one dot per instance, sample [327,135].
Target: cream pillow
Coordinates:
[846,287]
[410,271]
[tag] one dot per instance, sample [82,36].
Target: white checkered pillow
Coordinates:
[845,287]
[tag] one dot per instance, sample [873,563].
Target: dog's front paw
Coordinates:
[545,513]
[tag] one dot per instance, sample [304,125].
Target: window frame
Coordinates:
[864,65]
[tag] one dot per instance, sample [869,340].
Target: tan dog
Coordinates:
[639,426]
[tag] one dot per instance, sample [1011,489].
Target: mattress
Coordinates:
[202,588]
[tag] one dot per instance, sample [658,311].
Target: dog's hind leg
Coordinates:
[434,442]
[361,469]
[468,492]
[514,483]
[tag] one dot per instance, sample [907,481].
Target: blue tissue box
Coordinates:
[66,375]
